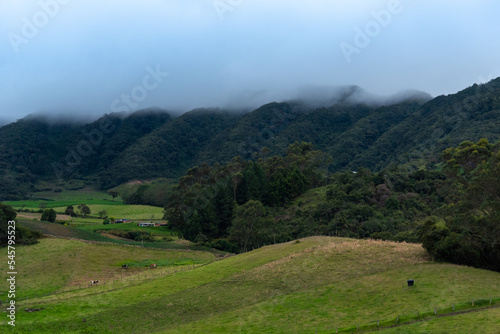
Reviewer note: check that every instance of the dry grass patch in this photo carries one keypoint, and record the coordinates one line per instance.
(336, 259)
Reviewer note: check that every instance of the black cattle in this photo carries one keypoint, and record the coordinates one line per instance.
(124, 266)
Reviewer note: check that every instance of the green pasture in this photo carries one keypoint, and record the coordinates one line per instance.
(315, 284)
(120, 211)
(55, 264)
(65, 198)
(484, 322)
(77, 196)
(129, 212)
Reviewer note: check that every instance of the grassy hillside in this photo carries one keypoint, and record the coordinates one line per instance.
(57, 264)
(317, 283)
(487, 322)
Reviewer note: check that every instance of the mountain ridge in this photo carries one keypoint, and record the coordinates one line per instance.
(152, 143)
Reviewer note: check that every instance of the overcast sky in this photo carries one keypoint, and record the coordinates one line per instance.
(93, 57)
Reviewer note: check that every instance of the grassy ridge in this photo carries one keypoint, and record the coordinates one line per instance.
(317, 284)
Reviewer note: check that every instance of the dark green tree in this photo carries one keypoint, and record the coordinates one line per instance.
(113, 193)
(70, 211)
(278, 188)
(471, 234)
(249, 226)
(84, 209)
(49, 215)
(102, 214)
(7, 214)
(253, 184)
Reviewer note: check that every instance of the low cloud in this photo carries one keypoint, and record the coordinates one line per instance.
(87, 54)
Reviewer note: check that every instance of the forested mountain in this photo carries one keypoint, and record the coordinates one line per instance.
(169, 150)
(445, 121)
(150, 143)
(37, 148)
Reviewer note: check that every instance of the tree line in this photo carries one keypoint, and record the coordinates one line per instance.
(453, 211)
(242, 205)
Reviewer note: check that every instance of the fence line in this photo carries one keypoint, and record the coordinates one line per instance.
(132, 278)
(474, 304)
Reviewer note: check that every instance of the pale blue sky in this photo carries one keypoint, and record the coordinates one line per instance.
(85, 57)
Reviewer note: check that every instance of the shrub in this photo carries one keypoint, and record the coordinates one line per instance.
(223, 245)
(386, 235)
(25, 236)
(49, 215)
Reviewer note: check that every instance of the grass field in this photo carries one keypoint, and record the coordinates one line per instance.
(65, 198)
(130, 212)
(316, 284)
(55, 264)
(484, 322)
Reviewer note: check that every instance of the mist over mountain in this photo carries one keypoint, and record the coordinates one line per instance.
(324, 96)
(309, 96)
(355, 128)
(236, 55)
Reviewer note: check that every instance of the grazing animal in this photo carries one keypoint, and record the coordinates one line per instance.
(125, 266)
(152, 266)
(94, 282)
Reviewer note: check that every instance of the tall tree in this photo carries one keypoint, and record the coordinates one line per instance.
(249, 226)
(49, 215)
(7, 213)
(472, 232)
(84, 209)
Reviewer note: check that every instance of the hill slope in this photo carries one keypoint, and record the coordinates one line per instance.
(317, 283)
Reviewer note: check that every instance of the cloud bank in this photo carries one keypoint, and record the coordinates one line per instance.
(81, 57)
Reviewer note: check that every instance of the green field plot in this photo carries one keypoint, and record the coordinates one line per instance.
(65, 198)
(129, 212)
